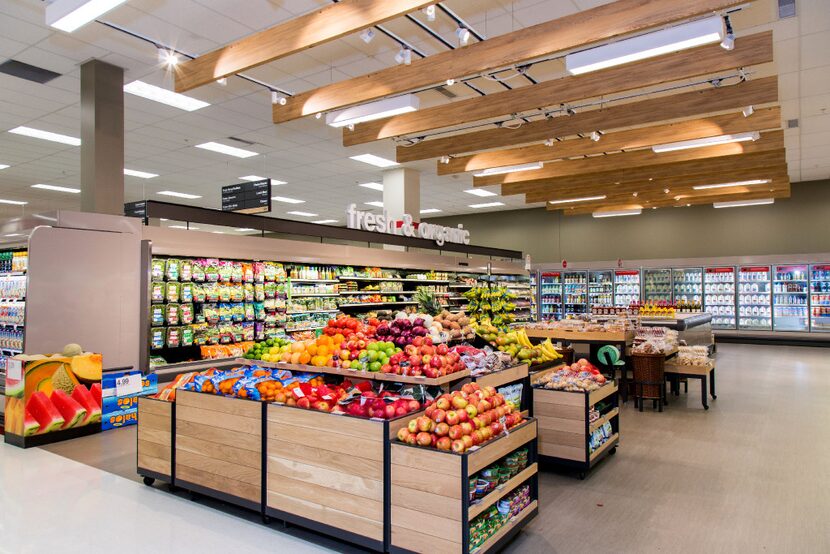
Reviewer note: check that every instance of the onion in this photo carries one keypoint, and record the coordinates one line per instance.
(419, 322)
(401, 315)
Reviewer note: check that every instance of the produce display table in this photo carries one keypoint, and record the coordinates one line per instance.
(508, 376)
(706, 374)
(582, 337)
(693, 328)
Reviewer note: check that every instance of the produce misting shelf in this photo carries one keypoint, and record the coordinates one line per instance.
(312, 280)
(315, 294)
(313, 312)
(402, 279)
(362, 304)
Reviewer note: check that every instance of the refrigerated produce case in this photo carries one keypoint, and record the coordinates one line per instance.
(754, 299)
(600, 289)
(626, 287)
(790, 299)
(550, 295)
(820, 297)
(657, 285)
(575, 292)
(719, 296)
(687, 283)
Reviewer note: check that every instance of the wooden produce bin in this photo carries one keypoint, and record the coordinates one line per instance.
(430, 505)
(509, 376)
(565, 429)
(155, 440)
(218, 447)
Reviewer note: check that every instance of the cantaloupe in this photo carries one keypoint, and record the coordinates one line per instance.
(87, 368)
(72, 349)
(61, 380)
(38, 370)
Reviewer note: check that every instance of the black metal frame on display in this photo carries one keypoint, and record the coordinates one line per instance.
(49, 438)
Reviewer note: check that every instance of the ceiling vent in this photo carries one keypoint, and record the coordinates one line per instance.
(446, 92)
(792, 124)
(242, 141)
(28, 72)
(786, 8)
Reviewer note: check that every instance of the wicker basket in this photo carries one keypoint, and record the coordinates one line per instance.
(649, 375)
(567, 354)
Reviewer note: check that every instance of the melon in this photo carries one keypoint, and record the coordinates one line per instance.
(30, 425)
(38, 370)
(87, 367)
(95, 391)
(44, 412)
(82, 396)
(61, 380)
(72, 412)
(72, 349)
(45, 386)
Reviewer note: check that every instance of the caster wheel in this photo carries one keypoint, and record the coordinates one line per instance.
(612, 451)
(582, 476)
(706, 407)
(172, 488)
(266, 520)
(714, 397)
(149, 481)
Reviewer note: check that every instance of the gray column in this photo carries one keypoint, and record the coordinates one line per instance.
(402, 193)
(102, 138)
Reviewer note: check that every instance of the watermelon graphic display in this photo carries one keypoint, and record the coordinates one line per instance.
(72, 412)
(30, 425)
(44, 412)
(82, 396)
(95, 391)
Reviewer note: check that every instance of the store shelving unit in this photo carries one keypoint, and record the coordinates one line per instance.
(719, 296)
(550, 295)
(657, 285)
(688, 284)
(820, 297)
(754, 298)
(13, 287)
(600, 288)
(626, 287)
(575, 292)
(790, 298)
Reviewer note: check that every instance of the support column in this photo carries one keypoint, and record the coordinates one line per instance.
(402, 193)
(102, 138)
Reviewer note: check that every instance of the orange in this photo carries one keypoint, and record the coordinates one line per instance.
(324, 351)
(295, 358)
(311, 349)
(297, 347)
(305, 357)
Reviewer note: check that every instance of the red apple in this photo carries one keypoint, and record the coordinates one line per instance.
(411, 439)
(471, 410)
(304, 403)
(412, 426)
(400, 411)
(477, 423)
(438, 415)
(425, 424)
(495, 427)
(462, 415)
(490, 391)
(435, 362)
(452, 417)
(415, 360)
(428, 350)
(413, 405)
(468, 388)
(442, 349)
(468, 441)
(459, 402)
(411, 350)
(418, 341)
(391, 411)
(455, 432)
(403, 433)
(485, 418)
(442, 429)
(458, 446)
(476, 436)
(428, 412)
(443, 443)
(423, 439)
(486, 432)
(466, 427)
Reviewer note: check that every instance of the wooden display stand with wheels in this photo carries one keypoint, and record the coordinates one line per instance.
(154, 450)
(508, 376)
(565, 427)
(430, 505)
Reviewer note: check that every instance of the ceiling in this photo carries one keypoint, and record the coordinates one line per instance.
(306, 153)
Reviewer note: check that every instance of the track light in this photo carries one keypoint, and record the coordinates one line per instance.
(168, 58)
(277, 98)
(429, 11)
(595, 136)
(404, 56)
(445, 159)
(367, 35)
(549, 142)
(463, 35)
(318, 115)
(666, 191)
(748, 111)
(222, 81)
(450, 82)
(728, 42)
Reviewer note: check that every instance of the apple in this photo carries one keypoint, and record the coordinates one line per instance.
(471, 410)
(468, 388)
(403, 433)
(443, 443)
(466, 427)
(485, 419)
(433, 439)
(430, 372)
(452, 418)
(455, 432)
(435, 362)
(442, 429)
(413, 405)
(428, 350)
(425, 424)
(418, 341)
(391, 411)
(438, 415)
(477, 423)
(400, 411)
(414, 360)
(468, 441)
(459, 402)
(458, 446)
(478, 436)
(386, 368)
(423, 439)
(491, 391)
(484, 405)
(411, 439)
(430, 409)
(442, 349)
(462, 415)
(322, 406)
(412, 426)
(495, 427)
(411, 350)
(304, 403)
(487, 432)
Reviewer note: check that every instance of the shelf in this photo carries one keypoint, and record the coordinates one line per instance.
(461, 285)
(12, 325)
(12, 300)
(612, 440)
(12, 273)
(790, 305)
(310, 295)
(506, 528)
(603, 420)
(312, 280)
(380, 292)
(402, 279)
(480, 506)
(305, 329)
(360, 305)
(313, 312)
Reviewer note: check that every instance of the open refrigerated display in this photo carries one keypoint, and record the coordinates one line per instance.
(13, 266)
(719, 296)
(688, 284)
(626, 287)
(550, 295)
(820, 297)
(754, 299)
(575, 292)
(790, 299)
(657, 285)
(600, 289)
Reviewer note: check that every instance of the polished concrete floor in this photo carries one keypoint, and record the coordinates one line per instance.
(750, 474)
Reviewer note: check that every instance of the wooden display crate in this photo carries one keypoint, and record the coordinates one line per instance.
(154, 448)
(218, 447)
(502, 377)
(564, 426)
(430, 506)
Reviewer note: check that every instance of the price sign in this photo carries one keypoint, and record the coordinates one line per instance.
(128, 385)
(247, 198)
(14, 369)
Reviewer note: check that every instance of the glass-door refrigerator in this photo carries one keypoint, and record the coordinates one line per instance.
(657, 285)
(820, 297)
(600, 289)
(688, 287)
(575, 292)
(790, 298)
(550, 295)
(754, 298)
(719, 296)
(626, 287)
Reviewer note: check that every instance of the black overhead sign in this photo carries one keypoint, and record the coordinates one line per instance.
(247, 198)
(136, 209)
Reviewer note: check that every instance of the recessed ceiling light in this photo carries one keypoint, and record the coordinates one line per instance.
(324, 221)
(191, 228)
(430, 211)
(68, 15)
(244, 230)
(46, 135)
(57, 188)
(15, 235)
(3, 166)
(228, 150)
(287, 200)
(387, 107)
(218, 232)
(140, 174)
(708, 141)
(487, 205)
(179, 194)
(303, 214)
(371, 159)
(375, 203)
(741, 203)
(480, 192)
(252, 178)
(373, 186)
(583, 199)
(618, 213)
(164, 96)
(735, 184)
(13, 202)
(509, 169)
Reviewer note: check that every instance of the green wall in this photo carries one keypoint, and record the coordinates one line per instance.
(797, 225)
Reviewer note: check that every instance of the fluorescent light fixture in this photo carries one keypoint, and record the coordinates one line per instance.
(373, 186)
(376, 161)
(463, 35)
(15, 235)
(218, 232)
(430, 12)
(708, 141)
(183, 227)
(46, 135)
(735, 184)
(68, 15)
(252, 178)
(404, 56)
(508, 169)
(164, 96)
(140, 174)
(487, 205)
(430, 211)
(680, 37)
(286, 200)
(324, 221)
(57, 188)
(376, 204)
(303, 214)
(13, 202)
(179, 194)
(367, 35)
(386, 107)
(480, 192)
(244, 230)
(3, 166)
(618, 213)
(584, 199)
(742, 203)
(228, 150)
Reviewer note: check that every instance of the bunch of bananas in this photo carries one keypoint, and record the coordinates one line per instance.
(492, 305)
(547, 353)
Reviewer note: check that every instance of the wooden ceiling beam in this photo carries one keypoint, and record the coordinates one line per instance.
(705, 60)
(695, 103)
(582, 28)
(632, 139)
(295, 35)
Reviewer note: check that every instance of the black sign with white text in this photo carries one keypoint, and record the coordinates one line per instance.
(248, 198)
